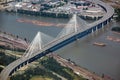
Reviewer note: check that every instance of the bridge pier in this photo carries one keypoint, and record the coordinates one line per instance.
(31, 60)
(105, 23)
(76, 37)
(18, 67)
(11, 72)
(24, 63)
(94, 28)
(21, 65)
(89, 30)
(83, 34)
(99, 26)
(37, 56)
(109, 19)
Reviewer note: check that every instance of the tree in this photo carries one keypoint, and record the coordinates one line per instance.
(25, 39)
(117, 10)
(66, 1)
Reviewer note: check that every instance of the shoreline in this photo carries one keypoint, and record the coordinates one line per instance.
(12, 42)
(77, 69)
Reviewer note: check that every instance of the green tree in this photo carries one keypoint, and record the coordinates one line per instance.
(66, 1)
(117, 11)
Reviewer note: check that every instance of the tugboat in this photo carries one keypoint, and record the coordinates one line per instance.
(99, 44)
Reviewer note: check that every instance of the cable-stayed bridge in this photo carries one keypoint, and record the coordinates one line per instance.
(44, 44)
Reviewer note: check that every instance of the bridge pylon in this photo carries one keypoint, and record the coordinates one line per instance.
(37, 44)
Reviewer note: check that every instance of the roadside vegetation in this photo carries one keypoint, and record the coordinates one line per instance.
(7, 56)
(1, 69)
(47, 69)
(5, 59)
(117, 28)
(35, 73)
(51, 64)
(117, 11)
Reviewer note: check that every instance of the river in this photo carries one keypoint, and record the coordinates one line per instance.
(101, 60)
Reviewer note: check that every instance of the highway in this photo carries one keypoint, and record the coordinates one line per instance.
(59, 42)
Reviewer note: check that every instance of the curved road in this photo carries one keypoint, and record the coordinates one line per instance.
(11, 68)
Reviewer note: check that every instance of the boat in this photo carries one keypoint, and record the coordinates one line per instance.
(99, 44)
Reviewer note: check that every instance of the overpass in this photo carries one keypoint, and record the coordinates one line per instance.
(36, 50)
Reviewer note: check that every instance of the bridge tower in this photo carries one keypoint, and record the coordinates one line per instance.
(37, 44)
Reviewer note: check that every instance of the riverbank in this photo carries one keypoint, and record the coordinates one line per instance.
(11, 48)
(46, 67)
(12, 42)
(114, 3)
(78, 70)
